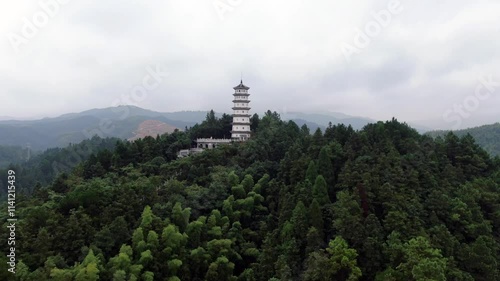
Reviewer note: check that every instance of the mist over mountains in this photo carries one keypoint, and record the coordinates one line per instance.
(487, 136)
(123, 121)
(132, 122)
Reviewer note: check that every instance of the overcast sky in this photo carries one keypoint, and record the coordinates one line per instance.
(428, 57)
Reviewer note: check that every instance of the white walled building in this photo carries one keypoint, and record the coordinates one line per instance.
(202, 144)
(241, 113)
(240, 127)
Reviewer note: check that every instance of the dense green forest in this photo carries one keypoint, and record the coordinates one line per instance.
(43, 167)
(487, 136)
(382, 203)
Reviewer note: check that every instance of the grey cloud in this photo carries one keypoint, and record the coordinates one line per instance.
(428, 58)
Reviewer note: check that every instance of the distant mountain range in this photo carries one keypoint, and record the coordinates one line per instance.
(125, 122)
(120, 122)
(321, 120)
(131, 122)
(487, 136)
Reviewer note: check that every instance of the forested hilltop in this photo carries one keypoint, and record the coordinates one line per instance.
(383, 203)
(487, 136)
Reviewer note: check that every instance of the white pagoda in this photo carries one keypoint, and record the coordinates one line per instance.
(241, 113)
(241, 124)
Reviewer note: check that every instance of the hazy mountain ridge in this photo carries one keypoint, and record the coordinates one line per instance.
(12, 154)
(120, 122)
(311, 125)
(323, 119)
(123, 121)
(44, 166)
(487, 136)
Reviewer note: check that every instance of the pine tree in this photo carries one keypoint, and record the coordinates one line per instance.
(316, 217)
(312, 172)
(325, 167)
(320, 191)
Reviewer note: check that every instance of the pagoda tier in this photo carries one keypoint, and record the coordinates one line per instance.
(241, 115)
(241, 132)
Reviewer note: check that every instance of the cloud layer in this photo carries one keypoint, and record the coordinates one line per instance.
(429, 58)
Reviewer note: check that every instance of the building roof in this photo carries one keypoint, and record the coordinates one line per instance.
(241, 86)
(211, 140)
